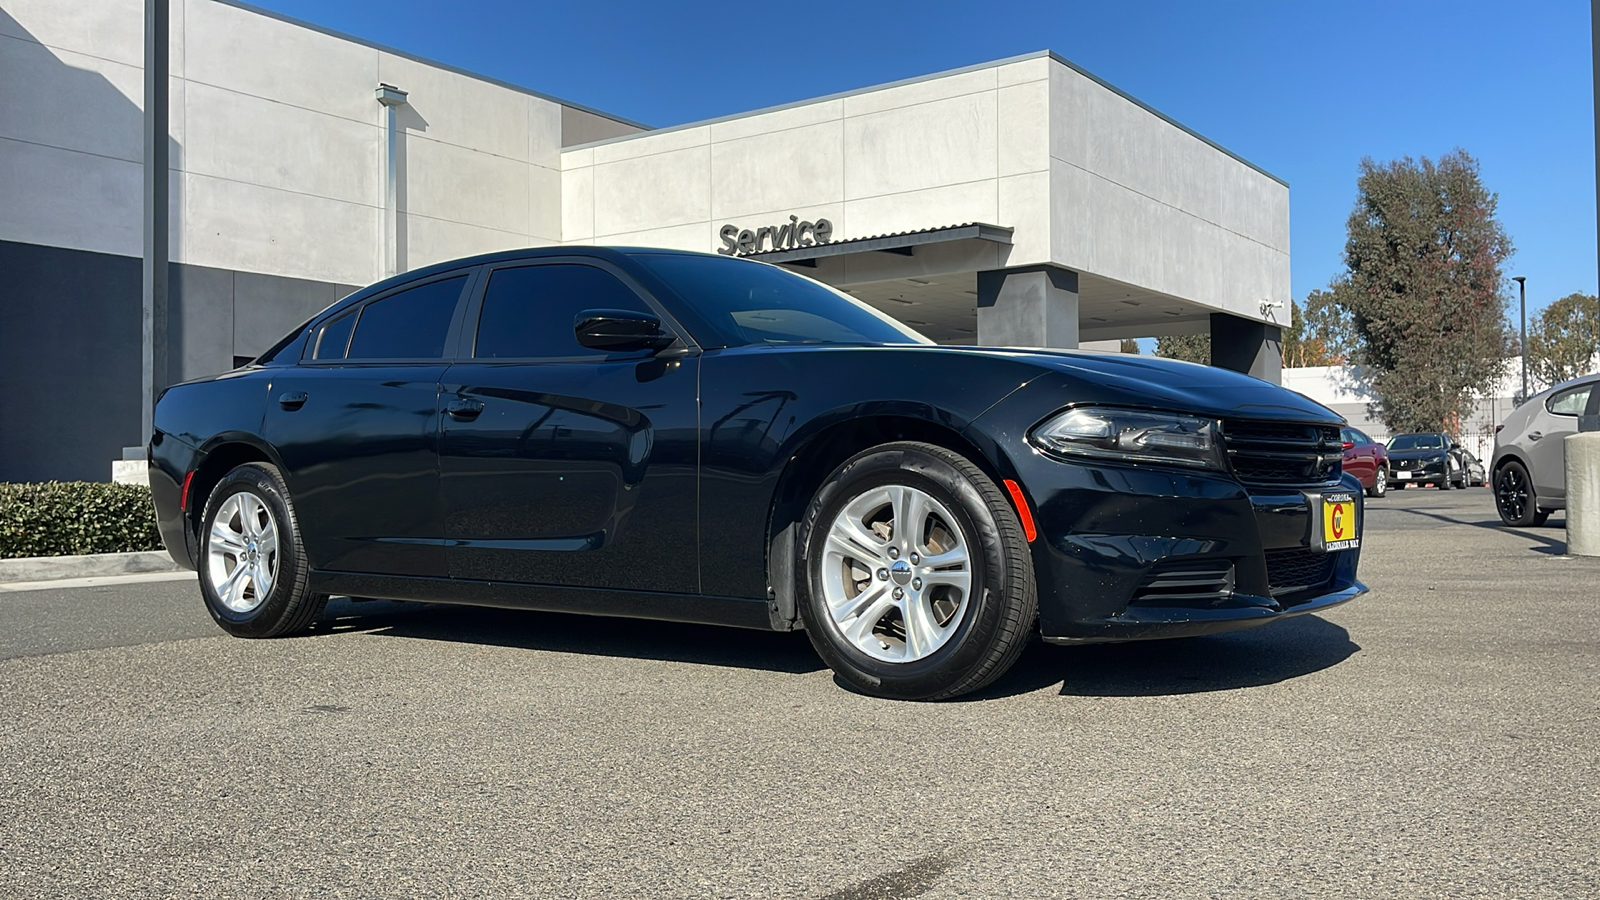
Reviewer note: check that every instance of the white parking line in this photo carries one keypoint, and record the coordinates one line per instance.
(61, 583)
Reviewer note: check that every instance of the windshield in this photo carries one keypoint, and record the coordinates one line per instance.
(1417, 442)
(755, 303)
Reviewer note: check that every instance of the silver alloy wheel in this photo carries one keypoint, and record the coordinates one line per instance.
(896, 574)
(1381, 480)
(242, 552)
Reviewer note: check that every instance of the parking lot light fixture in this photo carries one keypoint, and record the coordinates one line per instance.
(1522, 289)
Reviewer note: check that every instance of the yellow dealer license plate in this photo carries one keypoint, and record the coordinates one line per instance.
(1340, 529)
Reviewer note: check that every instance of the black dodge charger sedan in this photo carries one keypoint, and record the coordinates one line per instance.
(698, 438)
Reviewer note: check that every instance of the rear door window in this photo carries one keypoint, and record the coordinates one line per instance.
(1570, 402)
(411, 324)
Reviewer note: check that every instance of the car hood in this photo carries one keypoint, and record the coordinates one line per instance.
(1169, 384)
(1398, 455)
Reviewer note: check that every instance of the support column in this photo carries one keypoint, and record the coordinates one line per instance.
(390, 97)
(1035, 306)
(153, 358)
(1248, 346)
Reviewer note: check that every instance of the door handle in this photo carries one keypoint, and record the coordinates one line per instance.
(464, 410)
(1535, 435)
(292, 400)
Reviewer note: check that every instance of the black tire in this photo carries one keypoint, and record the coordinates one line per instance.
(1002, 602)
(1380, 483)
(1514, 497)
(1444, 483)
(289, 607)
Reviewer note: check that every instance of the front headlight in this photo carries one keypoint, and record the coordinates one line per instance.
(1130, 435)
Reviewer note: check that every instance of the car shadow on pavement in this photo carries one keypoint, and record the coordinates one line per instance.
(1555, 525)
(1242, 659)
(710, 645)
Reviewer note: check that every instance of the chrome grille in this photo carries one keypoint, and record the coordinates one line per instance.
(1283, 453)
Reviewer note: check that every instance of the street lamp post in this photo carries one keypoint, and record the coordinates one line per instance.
(1522, 288)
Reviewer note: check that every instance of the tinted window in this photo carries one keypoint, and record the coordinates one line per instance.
(753, 303)
(1572, 401)
(409, 325)
(529, 311)
(1359, 437)
(1417, 442)
(333, 337)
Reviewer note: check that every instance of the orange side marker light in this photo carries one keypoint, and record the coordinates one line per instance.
(1023, 512)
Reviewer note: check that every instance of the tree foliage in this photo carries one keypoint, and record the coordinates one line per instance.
(1321, 335)
(1130, 345)
(1424, 288)
(1195, 348)
(1565, 339)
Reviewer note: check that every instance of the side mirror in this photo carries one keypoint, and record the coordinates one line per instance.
(1454, 446)
(620, 330)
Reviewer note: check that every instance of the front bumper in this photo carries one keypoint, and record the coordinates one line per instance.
(1134, 553)
(1425, 473)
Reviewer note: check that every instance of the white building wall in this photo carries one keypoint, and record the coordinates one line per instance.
(1140, 200)
(894, 159)
(277, 144)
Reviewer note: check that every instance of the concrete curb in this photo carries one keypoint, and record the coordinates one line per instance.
(98, 565)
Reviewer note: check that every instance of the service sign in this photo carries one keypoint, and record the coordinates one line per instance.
(792, 235)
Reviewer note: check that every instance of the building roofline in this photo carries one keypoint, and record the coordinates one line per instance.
(1039, 54)
(382, 48)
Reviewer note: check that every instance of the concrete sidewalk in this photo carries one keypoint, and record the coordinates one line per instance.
(97, 565)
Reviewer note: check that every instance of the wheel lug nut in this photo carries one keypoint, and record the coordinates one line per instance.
(899, 594)
(915, 559)
(916, 584)
(894, 552)
(883, 574)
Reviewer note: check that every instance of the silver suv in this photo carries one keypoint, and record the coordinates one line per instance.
(1530, 454)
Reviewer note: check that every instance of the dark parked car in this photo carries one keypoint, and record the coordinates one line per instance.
(1429, 457)
(1367, 460)
(697, 438)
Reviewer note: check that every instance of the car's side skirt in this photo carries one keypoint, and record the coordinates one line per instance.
(735, 611)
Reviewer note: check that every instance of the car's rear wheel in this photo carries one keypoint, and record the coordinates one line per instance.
(916, 582)
(253, 569)
(1380, 483)
(1514, 497)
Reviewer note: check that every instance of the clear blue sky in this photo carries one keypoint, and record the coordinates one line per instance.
(1302, 89)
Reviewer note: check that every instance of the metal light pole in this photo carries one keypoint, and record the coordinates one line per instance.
(1522, 288)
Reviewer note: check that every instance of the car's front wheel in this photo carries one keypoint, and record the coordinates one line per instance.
(916, 582)
(1380, 483)
(1514, 497)
(253, 568)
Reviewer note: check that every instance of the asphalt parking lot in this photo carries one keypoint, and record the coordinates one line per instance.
(1438, 737)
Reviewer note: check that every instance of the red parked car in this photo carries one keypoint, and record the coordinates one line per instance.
(1367, 460)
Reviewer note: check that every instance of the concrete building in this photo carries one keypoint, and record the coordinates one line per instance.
(1022, 202)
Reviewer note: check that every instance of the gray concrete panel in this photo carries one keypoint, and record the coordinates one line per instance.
(265, 307)
(69, 386)
(1031, 307)
(200, 322)
(581, 127)
(1244, 345)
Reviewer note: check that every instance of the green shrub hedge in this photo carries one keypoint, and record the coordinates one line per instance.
(66, 518)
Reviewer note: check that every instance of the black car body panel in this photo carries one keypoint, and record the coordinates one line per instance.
(663, 484)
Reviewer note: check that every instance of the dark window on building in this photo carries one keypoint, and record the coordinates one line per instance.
(529, 311)
(412, 324)
(333, 337)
